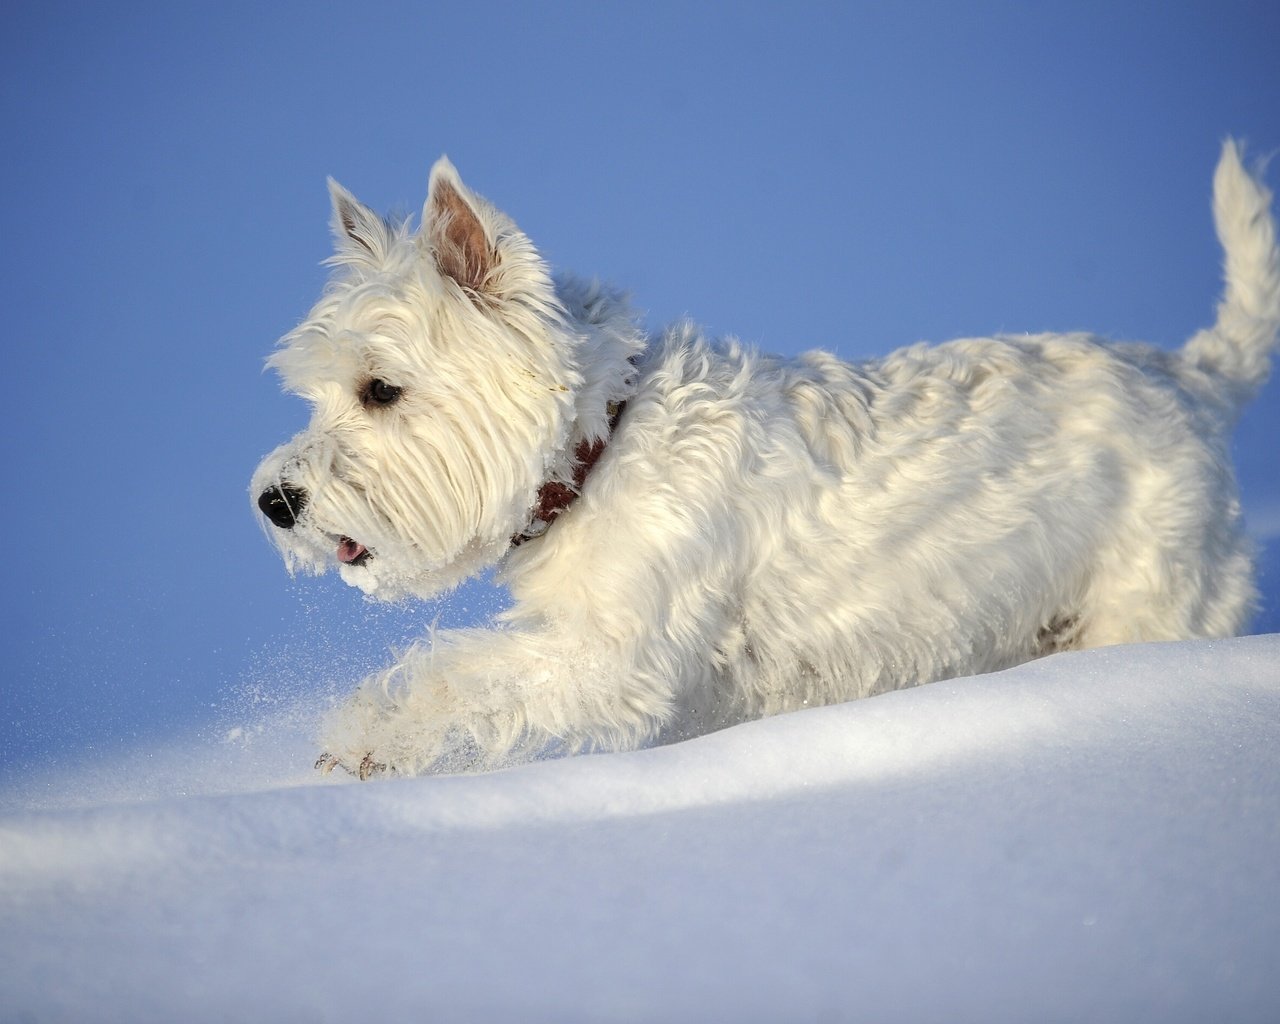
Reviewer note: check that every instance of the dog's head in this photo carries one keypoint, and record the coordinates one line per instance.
(442, 371)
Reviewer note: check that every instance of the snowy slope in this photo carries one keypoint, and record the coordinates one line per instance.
(1093, 836)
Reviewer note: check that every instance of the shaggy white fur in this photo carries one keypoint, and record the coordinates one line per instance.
(759, 534)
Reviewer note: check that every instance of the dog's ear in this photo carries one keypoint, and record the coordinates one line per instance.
(455, 229)
(358, 232)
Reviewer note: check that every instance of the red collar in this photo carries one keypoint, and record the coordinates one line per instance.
(555, 496)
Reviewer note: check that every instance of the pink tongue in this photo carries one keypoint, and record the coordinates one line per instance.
(349, 550)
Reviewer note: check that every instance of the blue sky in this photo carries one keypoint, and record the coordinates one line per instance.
(851, 176)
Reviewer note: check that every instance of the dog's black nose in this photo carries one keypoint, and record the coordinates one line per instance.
(282, 505)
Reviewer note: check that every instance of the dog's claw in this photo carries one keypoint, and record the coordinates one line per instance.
(369, 767)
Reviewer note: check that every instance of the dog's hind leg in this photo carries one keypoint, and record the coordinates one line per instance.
(1200, 586)
(1061, 633)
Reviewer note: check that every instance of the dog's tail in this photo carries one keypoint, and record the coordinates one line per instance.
(1237, 349)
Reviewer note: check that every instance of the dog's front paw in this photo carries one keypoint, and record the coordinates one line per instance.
(366, 770)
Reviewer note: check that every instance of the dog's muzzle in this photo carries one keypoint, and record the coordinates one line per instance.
(282, 505)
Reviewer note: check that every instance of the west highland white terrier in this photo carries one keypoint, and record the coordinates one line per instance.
(695, 533)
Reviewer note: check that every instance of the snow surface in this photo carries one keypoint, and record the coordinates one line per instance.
(1092, 837)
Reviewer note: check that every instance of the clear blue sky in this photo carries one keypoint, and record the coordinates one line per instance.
(853, 176)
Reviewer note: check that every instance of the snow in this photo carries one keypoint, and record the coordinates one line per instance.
(1091, 836)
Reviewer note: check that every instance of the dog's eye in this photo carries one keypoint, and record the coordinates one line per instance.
(379, 392)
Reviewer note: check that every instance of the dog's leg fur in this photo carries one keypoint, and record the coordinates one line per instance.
(470, 698)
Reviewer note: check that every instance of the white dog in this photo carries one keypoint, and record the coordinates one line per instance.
(695, 533)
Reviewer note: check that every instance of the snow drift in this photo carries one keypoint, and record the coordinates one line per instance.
(1092, 836)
